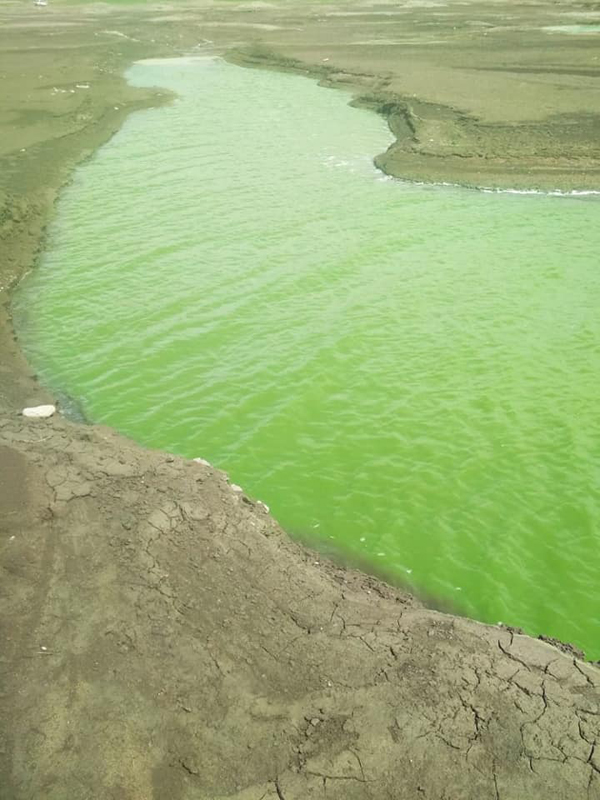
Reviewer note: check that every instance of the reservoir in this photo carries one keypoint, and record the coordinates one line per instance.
(407, 375)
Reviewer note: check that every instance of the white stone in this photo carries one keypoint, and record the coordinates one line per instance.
(39, 411)
(236, 488)
(202, 461)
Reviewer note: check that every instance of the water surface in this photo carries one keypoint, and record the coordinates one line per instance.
(586, 27)
(407, 373)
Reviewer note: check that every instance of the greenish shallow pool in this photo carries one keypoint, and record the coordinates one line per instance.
(573, 29)
(406, 374)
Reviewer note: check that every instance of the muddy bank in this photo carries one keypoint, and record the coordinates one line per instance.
(161, 635)
(436, 143)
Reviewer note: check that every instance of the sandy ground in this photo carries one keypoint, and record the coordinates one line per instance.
(162, 637)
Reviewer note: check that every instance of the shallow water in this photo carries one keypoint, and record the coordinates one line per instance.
(407, 373)
(574, 29)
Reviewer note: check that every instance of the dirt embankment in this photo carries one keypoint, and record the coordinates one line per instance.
(486, 95)
(437, 143)
(162, 637)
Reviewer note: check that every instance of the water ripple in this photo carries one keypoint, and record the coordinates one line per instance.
(405, 372)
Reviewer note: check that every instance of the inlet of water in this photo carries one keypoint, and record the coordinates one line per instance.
(407, 373)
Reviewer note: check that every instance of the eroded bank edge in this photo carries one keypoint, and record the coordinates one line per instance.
(442, 145)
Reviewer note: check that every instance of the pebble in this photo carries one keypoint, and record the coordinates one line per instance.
(39, 412)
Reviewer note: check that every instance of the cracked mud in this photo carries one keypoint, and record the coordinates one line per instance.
(176, 641)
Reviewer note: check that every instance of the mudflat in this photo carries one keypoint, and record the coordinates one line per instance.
(162, 636)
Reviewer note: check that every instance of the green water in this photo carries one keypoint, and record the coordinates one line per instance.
(574, 29)
(408, 374)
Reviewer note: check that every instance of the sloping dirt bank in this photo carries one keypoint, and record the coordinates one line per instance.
(164, 638)
(478, 94)
(437, 143)
(161, 636)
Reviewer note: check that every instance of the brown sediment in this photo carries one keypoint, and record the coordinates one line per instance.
(162, 636)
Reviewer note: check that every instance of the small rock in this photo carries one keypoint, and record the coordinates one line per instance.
(236, 488)
(39, 412)
(202, 461)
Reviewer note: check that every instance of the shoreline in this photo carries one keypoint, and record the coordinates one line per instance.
(121, 618)
(154, 97)
(158, 96)
(406, 159)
